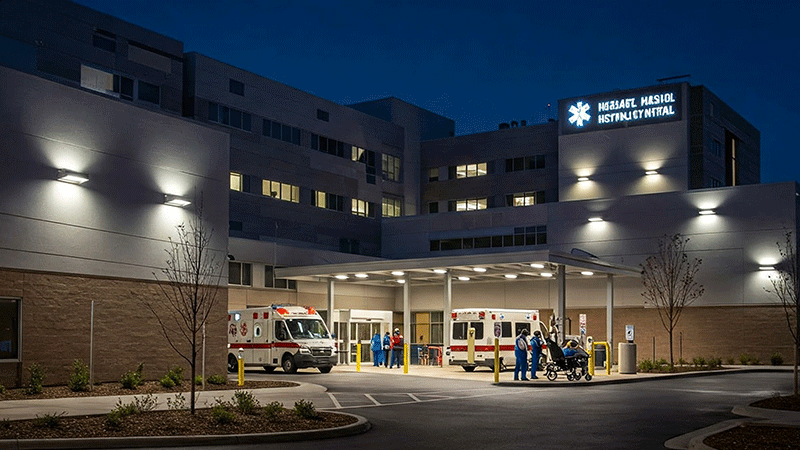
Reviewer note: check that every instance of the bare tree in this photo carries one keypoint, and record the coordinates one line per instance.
(786, 286)
(669, 282)
(193, 272)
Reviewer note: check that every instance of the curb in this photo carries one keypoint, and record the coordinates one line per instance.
(360, 426)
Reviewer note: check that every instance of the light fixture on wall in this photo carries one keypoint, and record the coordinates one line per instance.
(176, 200)
(587, 273)
(401, 281)
(439, 271)
(479, 269)
(510, 276)
(595, 219)
(651, 172)
(69, 176)
(583, 178)
(340, 277)
(766, 268)
(707, 212)
(463, 278)
(547, 274)
(537, 266)
(362, 275)
(398, 273)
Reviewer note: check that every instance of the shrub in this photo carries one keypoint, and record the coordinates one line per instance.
(714, 363)
(198, 380)
(646, 365)
(49, 420)
(305, 409)
(132, 379)
(746, 359)
(272, 410)
(729, 361)
(167, 382)
(114, 419)
(5, 423)
(178, 403)
(217, 379)
(2, 389)
(176, 375)
(79, 378)
(221, 412)
(698, 361)
(138, 405)
(37, 378)
(682, 362)
(661, 363)
(776, 359)
(245, 402)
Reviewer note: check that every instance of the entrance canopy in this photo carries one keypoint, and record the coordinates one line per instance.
(530, 265)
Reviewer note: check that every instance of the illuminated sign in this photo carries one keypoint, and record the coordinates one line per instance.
(621, 109)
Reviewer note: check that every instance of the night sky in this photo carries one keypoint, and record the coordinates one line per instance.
(483, 63)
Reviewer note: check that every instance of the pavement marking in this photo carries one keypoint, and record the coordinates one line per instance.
(335, 402)
(372, 399)
(414, 397)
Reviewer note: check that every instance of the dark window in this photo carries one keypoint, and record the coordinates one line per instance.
(450, 244)
(104, 43)
(296, 136)
(519, 164)
(451, 173)
(506, 327)
(149, 92)
(467, 243)
(460, 330)
(433, 207)
(314, 142)
(508, 240)
(224, 115)
(236, 87)
(9, 328)
(323, 115)
(276, 130)
(266, 128)
(234, 225)
(124, 86)
(519, 326)
(435, 245)
(433, 174)
(478, 329)
(236, 118)
(246, 121)
(497, 241)
(239, 273)
(213, 112)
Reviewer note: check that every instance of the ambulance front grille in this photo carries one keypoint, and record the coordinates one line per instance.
(325, 351)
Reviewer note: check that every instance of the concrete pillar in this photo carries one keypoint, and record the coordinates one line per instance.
(448, 307)
(610, 315)
(407, 310)
(330, 306)
(561, 307)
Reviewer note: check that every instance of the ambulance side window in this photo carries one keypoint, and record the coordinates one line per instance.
(478, 329)
(519, 326)
(257, 330)
(506, 326)
(280, 331)
(460, 330)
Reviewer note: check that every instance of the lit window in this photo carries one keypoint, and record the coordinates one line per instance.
(469, 170)
(283, 191)
(433, 174)
(236, 181)
(320, 199)
(362, 208)
(525, 198)
(468, 204)
(390, 207)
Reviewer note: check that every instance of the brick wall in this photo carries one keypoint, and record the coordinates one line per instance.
(56, 312)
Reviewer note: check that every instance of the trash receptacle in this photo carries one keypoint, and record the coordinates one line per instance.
(599, 356)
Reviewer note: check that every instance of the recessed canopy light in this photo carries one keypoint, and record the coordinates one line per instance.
(595, 219)
(766, 268)
(398, 273)
(651, 172)
(510, 276)
(463, 278)
(69, 176)
(340, 277)
(547, 274)
(583, 178)
(401, 281)
(439, 271)
(176, 200)
(479, 269)
(587, 273)
(707, 212)
(537, 266)
(362, 275)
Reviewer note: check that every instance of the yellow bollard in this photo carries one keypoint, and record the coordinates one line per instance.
(471, 346)
(405, 357)
(240, 361)
(496, 360)
(358, 357)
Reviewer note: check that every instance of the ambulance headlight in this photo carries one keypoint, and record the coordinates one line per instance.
(304, 349)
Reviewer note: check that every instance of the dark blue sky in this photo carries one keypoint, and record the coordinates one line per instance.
(482, 63)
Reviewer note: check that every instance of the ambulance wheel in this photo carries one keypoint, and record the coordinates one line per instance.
(570, 377)
(233, 364)
(325, 369)
(269, 369)
(288, 364)
(552, 376)
(588, 377)
(468, 368)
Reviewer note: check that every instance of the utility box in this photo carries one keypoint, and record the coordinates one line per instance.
(599, 355)
(627, 357)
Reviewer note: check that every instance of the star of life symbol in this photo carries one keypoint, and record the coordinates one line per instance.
(579, 115)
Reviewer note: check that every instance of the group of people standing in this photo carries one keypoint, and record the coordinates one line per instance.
(521, 353)
(382, 348)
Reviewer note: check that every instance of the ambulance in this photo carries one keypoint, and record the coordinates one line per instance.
(287, 336)
(486, 322)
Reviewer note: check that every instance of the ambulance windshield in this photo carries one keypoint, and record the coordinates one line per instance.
(307, 329)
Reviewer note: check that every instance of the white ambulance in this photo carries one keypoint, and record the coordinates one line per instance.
(507, 323)
(286, 336)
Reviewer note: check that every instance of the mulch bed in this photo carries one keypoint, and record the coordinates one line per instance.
(755, 436)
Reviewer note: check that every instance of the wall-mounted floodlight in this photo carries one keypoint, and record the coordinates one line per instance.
(595, 219)
(651, 172)
(707, 212)
(340, 277)
(176, 200)
(583, 178)
(766, 268)
(69, 176)
(439, 271)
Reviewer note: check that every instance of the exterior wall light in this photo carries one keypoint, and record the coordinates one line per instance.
(176, 200)
(587, 273)
(401, 281)
(479, 269)
(510, 276)
(651, 172)
(398, 273)
(340, 277)
(595, 219)
(463, 278)
(546, 274)
(766, 268)
(69, 176)
(707, 212)
(362, 275)
(439, 271)
(537, 266)
(583, 178)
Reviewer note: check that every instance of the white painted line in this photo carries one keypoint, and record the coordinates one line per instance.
(372, 399)
(414, 397)
(335, 402)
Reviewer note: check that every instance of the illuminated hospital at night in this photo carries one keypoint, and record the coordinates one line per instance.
(374, 210)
